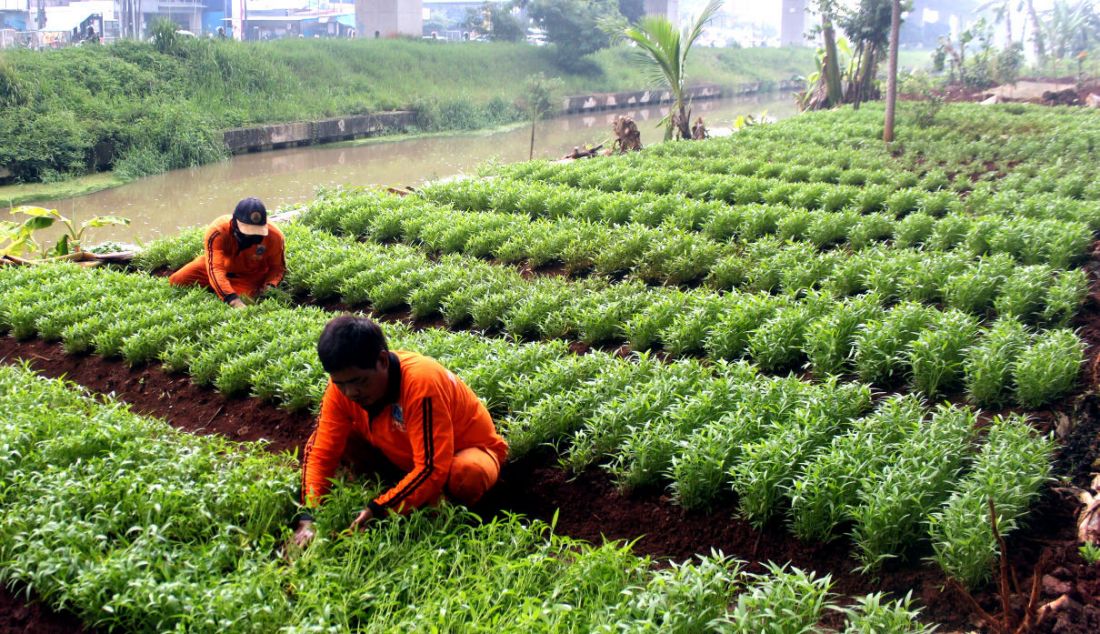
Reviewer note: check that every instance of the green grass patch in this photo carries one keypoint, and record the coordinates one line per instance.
(25, 193)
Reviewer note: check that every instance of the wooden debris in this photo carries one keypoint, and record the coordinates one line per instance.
(627, 136)
(699, 130)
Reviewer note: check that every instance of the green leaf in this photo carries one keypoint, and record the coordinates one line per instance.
(62, 246)
(36, 212)
(103, 221)
(37, 222)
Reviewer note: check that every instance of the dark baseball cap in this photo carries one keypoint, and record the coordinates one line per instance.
(251, 217)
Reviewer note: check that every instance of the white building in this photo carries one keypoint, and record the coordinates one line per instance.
(389, 18)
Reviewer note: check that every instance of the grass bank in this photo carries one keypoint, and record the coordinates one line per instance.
(25, 193)
(135, 110)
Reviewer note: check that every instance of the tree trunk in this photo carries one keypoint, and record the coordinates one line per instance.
(866, 75)
(857, 80)
(1040, 48)
(684, 123)
(1008, 25)
(831, 67)
(892, 73)
(531, 154)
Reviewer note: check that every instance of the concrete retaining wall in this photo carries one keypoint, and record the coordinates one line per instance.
(281, 135)
(614, 100)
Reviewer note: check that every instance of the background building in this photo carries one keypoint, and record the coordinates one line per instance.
(389, 18)
(793, 24)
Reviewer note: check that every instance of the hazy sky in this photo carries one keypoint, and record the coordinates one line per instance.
(769, 10)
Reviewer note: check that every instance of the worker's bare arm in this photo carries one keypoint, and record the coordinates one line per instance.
(361, 520)
(303, 533)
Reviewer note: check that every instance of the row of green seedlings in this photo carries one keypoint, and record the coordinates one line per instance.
(901, 479)
(554, 196)
(1029, 146)
(938, 352)
(707, 429)
(137, 527)
(788, 157)
(801, 166)
(932, 254)
(814, 165)
(1027, 149)
(747, 190)
(1029, 240)
(1037, 294)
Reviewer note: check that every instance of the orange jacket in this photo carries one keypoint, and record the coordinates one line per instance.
(431, 415)
(261, 265)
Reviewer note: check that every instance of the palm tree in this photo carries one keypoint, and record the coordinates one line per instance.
(665, 52)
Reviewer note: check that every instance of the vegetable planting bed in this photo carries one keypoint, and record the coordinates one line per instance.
(591, 507)
(794, 345)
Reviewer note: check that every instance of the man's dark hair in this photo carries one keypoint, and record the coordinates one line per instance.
(348, 341)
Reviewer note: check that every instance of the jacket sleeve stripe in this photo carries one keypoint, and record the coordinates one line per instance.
(210, 266)
(429, 458)
(305, 467)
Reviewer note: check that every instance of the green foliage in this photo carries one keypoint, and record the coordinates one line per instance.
(1008, 475)
(989, 363)
(895, 501)
(573, 27)
(164, 36)
(665, 52)
(1048, 368)
(790, 601)
(873, 614)
(1090, 552)
(194, 521)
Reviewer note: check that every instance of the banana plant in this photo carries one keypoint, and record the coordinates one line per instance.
(17, 238)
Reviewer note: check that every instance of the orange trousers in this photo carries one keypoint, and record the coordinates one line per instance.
(194, 272)
(473, 471)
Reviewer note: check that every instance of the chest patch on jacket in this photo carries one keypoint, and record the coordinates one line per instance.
(398, 418)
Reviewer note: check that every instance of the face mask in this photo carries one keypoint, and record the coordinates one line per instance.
(243, 241)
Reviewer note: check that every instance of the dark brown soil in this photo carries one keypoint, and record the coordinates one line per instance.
(19, 616)
(172, 397)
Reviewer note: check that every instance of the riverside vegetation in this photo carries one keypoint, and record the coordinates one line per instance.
(134, 109)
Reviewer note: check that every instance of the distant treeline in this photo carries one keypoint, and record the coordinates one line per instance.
(132, 108)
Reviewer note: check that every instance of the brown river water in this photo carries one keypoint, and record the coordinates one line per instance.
(163, 204)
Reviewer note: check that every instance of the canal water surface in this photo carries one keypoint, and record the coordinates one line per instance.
(162, 204)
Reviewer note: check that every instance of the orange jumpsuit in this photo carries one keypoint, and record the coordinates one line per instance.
(430, 425)
(233, 272)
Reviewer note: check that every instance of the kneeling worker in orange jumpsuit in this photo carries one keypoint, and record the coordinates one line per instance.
(242, 255)
(424, 419)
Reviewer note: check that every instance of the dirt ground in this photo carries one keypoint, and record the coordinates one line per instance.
(1042, 91)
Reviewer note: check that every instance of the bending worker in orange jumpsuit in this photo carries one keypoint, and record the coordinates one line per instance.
(242, 255)
(424, 419)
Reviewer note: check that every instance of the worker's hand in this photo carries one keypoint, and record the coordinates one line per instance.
(237, 303)
(361, 520)
(303, 533)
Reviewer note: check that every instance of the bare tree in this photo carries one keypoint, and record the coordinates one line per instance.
(892, 74)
